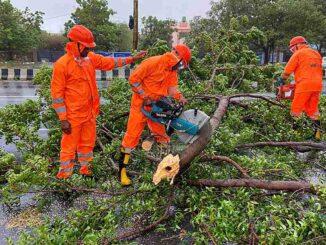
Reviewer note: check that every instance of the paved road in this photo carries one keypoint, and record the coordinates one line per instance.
(15, 92)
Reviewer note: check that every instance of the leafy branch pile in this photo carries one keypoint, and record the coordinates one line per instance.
(191, 210)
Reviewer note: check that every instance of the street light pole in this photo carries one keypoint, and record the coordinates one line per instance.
(135, 33)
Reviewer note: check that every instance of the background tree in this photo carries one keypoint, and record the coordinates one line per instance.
(124, 35)
(154, 29)
(52, 41)
(19, 30)
(95, 15)
(280, 20)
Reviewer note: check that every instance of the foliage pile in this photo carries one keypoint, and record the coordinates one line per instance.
(200, 215)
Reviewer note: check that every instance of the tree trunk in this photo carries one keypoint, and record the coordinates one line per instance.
(266, 55)
(193, 150)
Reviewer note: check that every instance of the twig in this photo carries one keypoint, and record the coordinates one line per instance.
(316, 239)
(253, 237)
(82, 190)
(210, 81)
(124, 114)
(233, 163)
(137, 232)
(108, 133)
(205, 228)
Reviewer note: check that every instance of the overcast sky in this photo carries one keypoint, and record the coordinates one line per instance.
(57, 12)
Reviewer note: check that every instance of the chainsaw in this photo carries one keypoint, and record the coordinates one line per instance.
(285, 92)
(169, 112)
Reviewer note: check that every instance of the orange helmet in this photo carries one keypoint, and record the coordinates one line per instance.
(83, 35)
(185, 52)
(297, 40)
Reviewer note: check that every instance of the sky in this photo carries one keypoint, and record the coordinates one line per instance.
(57, 12)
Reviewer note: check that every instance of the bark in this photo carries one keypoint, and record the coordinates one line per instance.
(255, 183)
(193, 150)
(266, 55)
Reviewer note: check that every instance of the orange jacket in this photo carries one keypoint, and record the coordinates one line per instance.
(73, 87)
(153, 77)
(306, 64)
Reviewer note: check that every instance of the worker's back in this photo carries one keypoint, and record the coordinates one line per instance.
(306, 64)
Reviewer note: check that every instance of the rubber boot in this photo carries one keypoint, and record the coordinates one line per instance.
(66, 171)
(63, 175)
(124, 159)
(85, 170)
(317, 127)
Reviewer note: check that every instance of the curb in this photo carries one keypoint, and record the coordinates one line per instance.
(28, 74)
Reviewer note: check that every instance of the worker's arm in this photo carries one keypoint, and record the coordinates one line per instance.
(290, 67)
(58, 84)
(173, 90)
(137, 77)
(109, 63)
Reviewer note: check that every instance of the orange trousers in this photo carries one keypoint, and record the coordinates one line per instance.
(136, 124)
(81, 140)
(307, 102)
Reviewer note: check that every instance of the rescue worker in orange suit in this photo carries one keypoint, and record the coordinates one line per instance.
(155, 77)
(306, 64)
(76, 100)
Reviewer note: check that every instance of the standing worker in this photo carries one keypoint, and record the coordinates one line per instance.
(76, 100)
(153, 78)
(306, 64)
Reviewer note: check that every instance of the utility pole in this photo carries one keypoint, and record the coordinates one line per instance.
(135, 33)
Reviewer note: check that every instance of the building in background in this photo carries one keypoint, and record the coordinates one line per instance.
(181, 30)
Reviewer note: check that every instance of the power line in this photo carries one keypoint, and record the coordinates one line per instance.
(58, 16)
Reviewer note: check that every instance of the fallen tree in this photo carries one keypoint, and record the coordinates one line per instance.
(224, 192)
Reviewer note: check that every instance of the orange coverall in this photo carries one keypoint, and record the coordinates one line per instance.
(75, 98)
(306, 64)
(153, 78)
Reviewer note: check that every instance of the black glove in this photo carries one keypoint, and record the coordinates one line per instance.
(66, 126)
(147, 101)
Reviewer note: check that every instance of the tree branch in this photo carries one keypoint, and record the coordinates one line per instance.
(290, 144)
(137, 232)
(255, 183)
(257, 97)
(242, 171)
